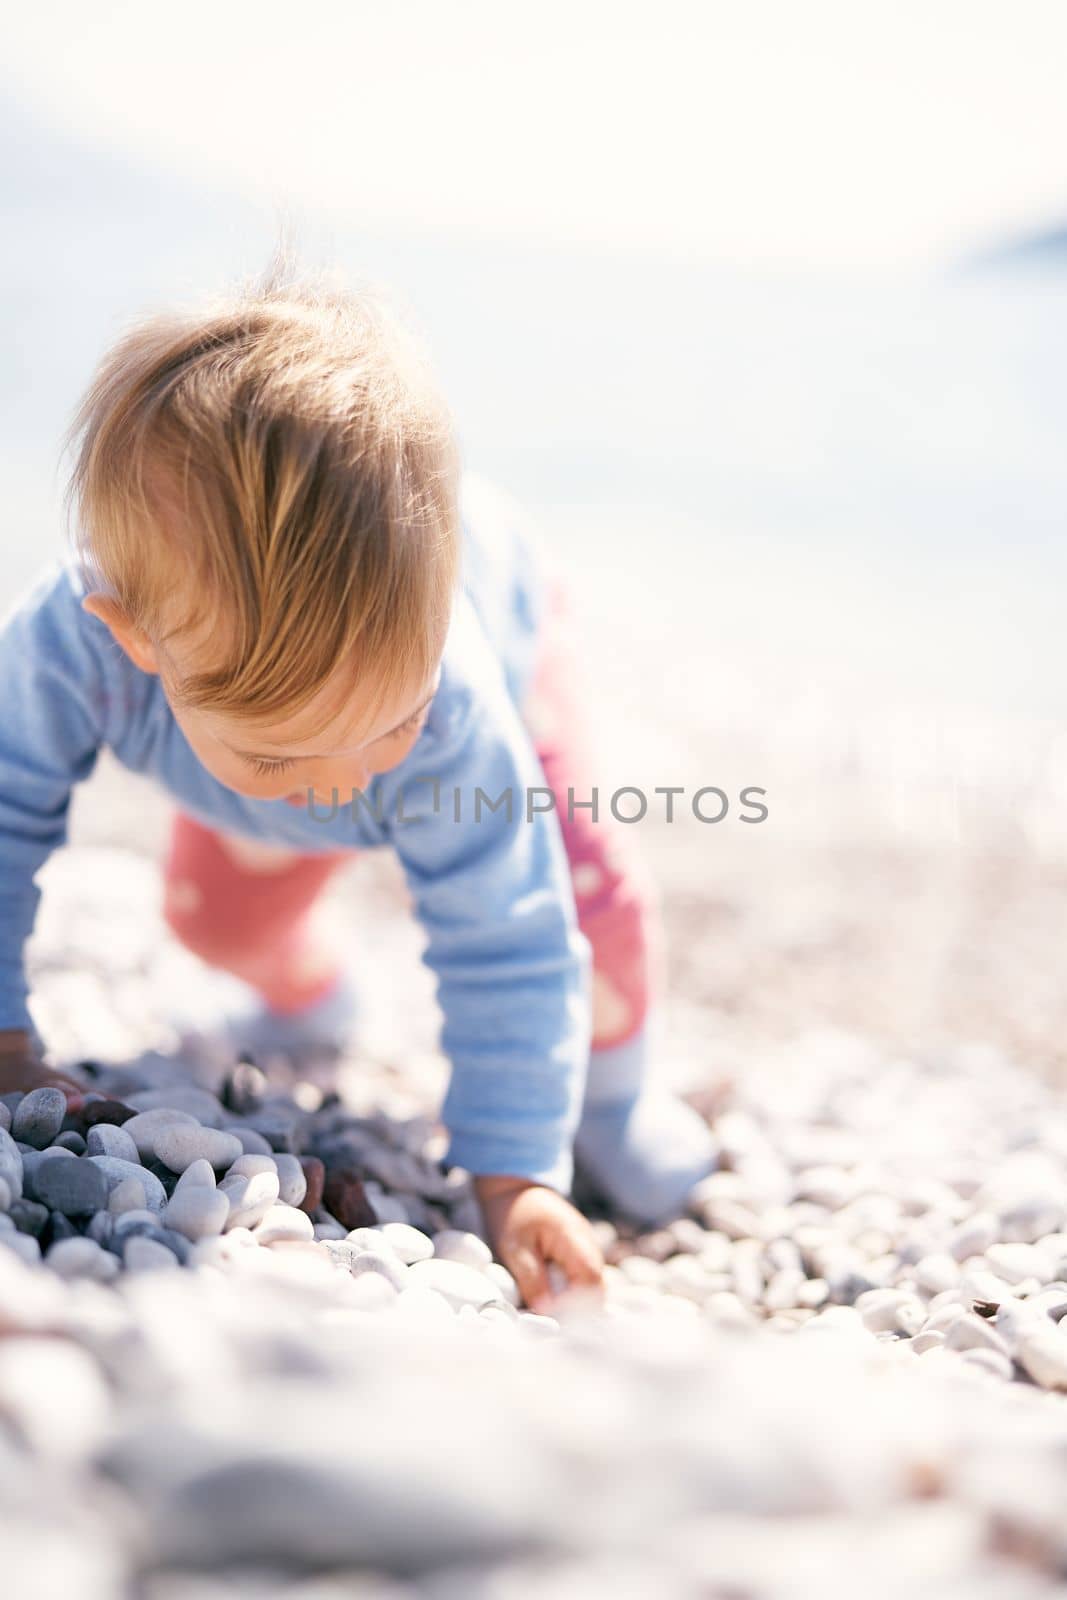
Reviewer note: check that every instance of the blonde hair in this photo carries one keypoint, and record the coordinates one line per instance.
(290, 448)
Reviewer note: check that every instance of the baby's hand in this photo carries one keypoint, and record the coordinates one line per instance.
(21, 1069)
(531, 1229)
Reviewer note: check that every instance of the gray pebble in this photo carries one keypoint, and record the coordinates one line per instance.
(71, 1141)
(147, 1255)
(5, 1117)
(101, 1228)
(252, 1143)
(197, 1104)
(29, 1216)
(39, 1117)
(24, 1245)
(76, 1188)
(292, 1184)
(129, 1221)
(80, 1258)
(105, 1139)
(117, 1171)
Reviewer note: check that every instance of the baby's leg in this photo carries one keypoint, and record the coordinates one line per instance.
(255, 911)
(640, 1144)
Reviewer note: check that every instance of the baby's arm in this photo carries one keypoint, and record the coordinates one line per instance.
(495, 898)
(51, 712)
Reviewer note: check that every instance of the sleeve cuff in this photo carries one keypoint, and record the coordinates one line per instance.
(484, 1156)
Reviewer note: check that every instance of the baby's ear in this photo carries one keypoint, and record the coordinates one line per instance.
(136, 644)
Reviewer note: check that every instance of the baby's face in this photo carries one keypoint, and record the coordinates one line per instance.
(335, 741)
(282, 761)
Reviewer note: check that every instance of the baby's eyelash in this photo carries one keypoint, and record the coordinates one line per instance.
(265, 768)
(413, 722)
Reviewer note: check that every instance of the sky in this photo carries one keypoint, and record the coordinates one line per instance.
(771, 135)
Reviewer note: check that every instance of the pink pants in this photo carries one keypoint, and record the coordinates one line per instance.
(250, 909)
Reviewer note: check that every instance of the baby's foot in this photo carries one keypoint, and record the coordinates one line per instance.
(325, 1026)
(242, 1022)
(645, 1154)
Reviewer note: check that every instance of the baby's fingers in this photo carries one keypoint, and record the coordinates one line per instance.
(527, 1267)
(577, 1255)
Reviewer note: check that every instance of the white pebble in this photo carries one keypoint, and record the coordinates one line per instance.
(183, 1143)
(200, 1175)
(143, 1128)
(460, 1284)
(129, 1195)
(249, 1198)
(283, 1223)
(197, 1212)
(409, 1244)
(466, 1248)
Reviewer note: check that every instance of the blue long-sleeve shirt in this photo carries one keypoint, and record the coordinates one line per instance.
(493, 894)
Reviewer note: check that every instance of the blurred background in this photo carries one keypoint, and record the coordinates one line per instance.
(760, 312)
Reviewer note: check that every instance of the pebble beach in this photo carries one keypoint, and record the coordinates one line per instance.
(254, 1343)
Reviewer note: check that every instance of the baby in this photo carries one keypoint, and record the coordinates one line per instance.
(288, 603)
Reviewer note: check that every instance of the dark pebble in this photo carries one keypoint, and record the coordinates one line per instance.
(847, 1290)
(113, 1111)
(176, 1243)
(70, 1141)
(101, 1228)
(315, 1173)
(167, 1178)
(277, 1132)
(59, 1227)
(39, 1116)
(28, 1216)
(346, 1199)
(244, 1088)
(76, 1188)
